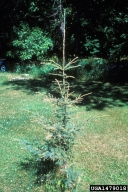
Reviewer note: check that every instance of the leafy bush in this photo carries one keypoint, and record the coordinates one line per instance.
(92, 46)
(30, 43)
(36, 70)
(42, 71)
(92, 68)
(21, 67)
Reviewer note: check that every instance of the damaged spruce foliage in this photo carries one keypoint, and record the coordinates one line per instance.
(54, 154)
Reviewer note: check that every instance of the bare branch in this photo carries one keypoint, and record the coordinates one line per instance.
(55, 64)
(70, 93)
(52, 15)
(70, 77)
(72, 67)
(58, 84)
(73, 61)
(56, 74)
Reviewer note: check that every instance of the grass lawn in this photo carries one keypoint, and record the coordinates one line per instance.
(100, 152)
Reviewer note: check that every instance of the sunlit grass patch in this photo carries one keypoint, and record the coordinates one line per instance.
(100, 151)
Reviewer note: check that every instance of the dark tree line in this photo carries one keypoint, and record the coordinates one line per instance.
(93, 28)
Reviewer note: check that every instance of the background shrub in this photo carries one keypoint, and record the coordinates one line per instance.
(30, 43)
(92, 68)
(42, 71)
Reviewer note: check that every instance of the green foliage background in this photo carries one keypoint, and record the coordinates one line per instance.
(95, 28)
(30, 43)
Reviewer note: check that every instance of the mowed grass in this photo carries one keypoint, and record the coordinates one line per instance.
(100, 152)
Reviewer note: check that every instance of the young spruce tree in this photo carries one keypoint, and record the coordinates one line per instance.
(55, 154)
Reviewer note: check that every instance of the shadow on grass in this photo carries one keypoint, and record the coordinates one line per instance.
(29, 86)
(39, 169)
(102, 94)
